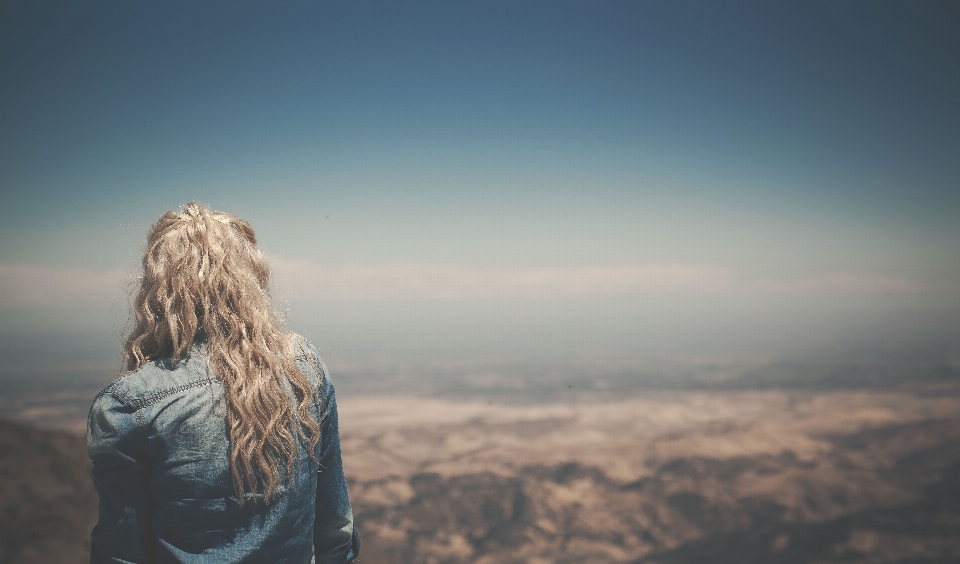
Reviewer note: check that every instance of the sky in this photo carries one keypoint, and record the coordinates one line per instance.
(460, 184)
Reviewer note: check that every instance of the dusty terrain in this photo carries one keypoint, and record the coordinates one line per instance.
(749, 476)
(855, 475)
(47, 501)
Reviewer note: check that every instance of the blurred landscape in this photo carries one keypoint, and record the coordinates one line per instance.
(666, 281)
(782, 463)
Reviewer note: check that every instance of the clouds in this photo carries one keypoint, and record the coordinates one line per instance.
(304, 281)
(456, 313)
(23, 285)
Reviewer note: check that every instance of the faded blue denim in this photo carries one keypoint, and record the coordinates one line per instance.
(160, 449)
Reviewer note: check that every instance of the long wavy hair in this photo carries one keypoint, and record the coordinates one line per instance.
(204, 280)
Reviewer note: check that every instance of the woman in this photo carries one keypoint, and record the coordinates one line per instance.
(220, 442)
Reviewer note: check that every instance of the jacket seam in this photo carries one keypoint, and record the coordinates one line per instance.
(141, 403)
(131, 402)
(108, 389)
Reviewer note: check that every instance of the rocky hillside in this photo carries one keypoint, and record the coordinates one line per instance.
(764, 509)
(743, 476)
(48, 503)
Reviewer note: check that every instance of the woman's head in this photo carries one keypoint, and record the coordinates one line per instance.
(203, 276)
(205, 280)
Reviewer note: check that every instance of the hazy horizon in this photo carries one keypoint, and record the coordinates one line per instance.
(616, 187)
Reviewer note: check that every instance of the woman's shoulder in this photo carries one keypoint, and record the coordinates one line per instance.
(311, 364)
(121, 409)
(157, 380)
(304, 351)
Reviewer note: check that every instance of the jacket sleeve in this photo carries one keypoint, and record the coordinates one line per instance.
(335, 539)
(120, 473)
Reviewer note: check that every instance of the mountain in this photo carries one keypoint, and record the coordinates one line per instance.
(745, 476)
(48, 504)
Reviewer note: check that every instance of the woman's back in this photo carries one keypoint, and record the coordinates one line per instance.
(159, 442)
(220, 442)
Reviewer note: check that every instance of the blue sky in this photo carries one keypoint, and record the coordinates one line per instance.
(454, 180)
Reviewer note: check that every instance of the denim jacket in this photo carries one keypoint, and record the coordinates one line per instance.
(159, 443)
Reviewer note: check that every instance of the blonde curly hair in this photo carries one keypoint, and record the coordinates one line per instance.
(204, 280)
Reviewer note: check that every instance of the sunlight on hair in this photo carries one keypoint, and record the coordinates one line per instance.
(204, 284)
